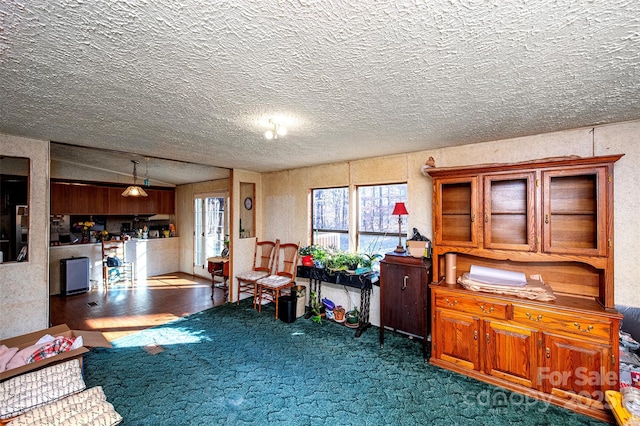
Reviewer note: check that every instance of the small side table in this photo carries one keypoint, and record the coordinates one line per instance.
(219, 267)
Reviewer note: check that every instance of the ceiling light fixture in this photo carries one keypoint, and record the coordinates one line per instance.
(134, 190)
(275, 131)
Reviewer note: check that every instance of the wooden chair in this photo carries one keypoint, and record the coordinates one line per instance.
(115, 268)
(263, 258)
(286, 264)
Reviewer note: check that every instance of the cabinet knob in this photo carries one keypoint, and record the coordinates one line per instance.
(486, 218)
(548, 352)
(584, 330)
(546, 218)
(475, 334)
(488, 338)
(488, 311)
(404, 282)
(532, 318)
(454, 303)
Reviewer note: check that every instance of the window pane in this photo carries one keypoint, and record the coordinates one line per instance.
(330, 217)
(377, 228)
(377, 244)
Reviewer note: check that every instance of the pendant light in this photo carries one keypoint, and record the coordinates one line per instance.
(134, 190)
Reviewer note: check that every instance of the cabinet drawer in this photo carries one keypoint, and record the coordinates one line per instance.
(576, 324)
(471, 305)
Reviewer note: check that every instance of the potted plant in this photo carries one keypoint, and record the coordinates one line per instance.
(309, 255)
(343, 261)
(353, 316)
(306, 255)
(320, 256)
(316, 307)
(338, 313)
(371, 261)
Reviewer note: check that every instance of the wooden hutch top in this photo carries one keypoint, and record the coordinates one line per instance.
(552, 217)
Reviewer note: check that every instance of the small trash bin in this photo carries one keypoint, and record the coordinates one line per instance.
(287, 308)
(300, 292)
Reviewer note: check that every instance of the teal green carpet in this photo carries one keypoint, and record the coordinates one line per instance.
(233, 365)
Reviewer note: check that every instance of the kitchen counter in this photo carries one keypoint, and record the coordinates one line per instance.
(151, 257)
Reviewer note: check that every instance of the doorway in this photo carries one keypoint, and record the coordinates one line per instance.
(211, 229)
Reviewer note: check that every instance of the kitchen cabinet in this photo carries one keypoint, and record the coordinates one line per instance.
(92, 199)
(552, 218)
(157, 202)
(404, 282)
(77, 198)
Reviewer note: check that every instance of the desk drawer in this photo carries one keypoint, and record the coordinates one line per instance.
(471, 305)
(579, 324)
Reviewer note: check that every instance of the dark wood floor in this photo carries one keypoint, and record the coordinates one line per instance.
(123, 310)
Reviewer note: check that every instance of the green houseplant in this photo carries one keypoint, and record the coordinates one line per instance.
(353, 316)
(306, 255)
(342, 261)
(316, 305)
(313, 255)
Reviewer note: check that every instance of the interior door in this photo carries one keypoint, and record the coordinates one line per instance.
(210, 224)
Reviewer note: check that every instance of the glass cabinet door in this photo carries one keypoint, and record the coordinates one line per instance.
(455, 215)
(509, 206)
(574, 215)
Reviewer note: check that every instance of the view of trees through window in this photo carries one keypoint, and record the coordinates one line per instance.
(377, 230)
(330, 217)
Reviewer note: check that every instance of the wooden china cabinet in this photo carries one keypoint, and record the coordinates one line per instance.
(551, 217)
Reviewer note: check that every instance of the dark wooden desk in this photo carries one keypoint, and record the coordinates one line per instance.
(219, 267)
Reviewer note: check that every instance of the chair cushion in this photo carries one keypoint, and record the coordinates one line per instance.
(274, 281)
(252, 275)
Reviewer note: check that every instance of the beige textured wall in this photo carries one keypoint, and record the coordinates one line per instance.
(286, 193)
(243, 249)
(623, 138)
(24, 288)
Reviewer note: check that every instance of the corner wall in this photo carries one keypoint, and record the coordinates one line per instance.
(24, 288)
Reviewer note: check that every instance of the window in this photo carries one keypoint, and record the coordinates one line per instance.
(377, 229)
(330, 217)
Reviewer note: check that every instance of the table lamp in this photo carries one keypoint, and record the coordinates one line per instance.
(399, 210)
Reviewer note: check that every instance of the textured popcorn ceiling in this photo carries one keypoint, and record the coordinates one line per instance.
(197, 80)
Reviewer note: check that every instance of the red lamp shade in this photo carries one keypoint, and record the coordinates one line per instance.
(399, 209)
